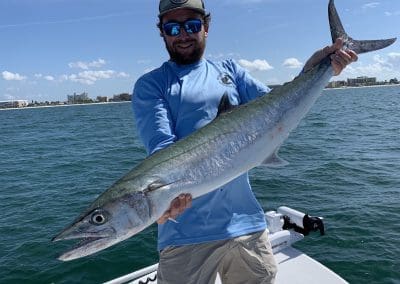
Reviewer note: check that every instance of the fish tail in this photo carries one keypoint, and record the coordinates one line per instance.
(358, 46)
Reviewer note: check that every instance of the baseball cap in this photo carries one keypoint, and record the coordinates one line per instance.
(170, 5)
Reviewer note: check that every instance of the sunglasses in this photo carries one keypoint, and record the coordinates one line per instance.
(192, 26)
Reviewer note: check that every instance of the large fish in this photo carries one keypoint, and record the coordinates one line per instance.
(236, 141)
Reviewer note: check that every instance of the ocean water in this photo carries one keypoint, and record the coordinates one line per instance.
(344, 165)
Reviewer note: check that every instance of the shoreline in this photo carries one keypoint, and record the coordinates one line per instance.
(65, 105)
(360, 87)
(103, 103)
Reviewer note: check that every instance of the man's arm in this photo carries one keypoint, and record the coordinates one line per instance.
(152, 116)
(340, 58)
(155, 128)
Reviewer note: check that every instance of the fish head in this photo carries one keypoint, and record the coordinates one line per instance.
(105, 224)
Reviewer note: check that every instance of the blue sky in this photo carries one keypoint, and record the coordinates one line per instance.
(52, 48)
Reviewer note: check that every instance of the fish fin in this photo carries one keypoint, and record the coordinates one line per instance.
(173, 220)
(156, 185)
(225, 104)
(358, 46)
(274, 161)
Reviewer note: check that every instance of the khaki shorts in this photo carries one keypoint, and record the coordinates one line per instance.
(246, 259)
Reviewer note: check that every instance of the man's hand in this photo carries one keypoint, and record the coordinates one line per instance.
(177, 206)
(340, 58)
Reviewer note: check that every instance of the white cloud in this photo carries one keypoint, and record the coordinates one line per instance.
(89, 77)
(292, 63)
(49, 78)
(390, 62)
(256, 65)
(8, 76)
(392, 13)
(87, 65)
(382, 67)
(123, 75)
(63, 78)
(394, 59)
(371, 5)
(379, 59)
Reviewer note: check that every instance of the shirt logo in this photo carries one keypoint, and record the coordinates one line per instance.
(224, 79)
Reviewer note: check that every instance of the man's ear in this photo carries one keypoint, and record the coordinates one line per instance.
(206, 31)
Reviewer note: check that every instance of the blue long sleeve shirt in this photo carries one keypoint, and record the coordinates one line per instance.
(170, 103)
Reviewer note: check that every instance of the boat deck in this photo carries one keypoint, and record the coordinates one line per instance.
(294, 266)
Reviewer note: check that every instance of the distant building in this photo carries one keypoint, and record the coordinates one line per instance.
(361, 81)
(79, 99)
(121, 97)
(337, 84)
(13, 104)
(101, 99)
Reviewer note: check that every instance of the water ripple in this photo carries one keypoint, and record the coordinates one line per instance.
(344, 165)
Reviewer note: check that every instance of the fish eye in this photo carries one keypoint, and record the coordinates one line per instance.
(98, 217)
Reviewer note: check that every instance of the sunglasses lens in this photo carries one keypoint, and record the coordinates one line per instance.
(190, 26)
(172, 29)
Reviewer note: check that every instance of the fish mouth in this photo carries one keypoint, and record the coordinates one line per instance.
(71, 233)
(90, 242)
(87, 246)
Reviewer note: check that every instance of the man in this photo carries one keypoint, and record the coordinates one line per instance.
(223, 231)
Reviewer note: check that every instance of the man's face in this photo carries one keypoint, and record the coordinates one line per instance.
(184, 48)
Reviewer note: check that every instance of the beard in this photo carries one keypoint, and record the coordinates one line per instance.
(186, 58)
